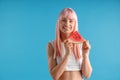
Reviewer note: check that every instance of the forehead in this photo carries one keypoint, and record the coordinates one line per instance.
(68, 15)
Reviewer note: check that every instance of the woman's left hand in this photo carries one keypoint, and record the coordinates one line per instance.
(86, 48)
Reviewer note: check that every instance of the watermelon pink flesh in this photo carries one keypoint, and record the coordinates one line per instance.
(76, 37)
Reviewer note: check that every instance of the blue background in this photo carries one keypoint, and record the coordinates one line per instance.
(27, 26)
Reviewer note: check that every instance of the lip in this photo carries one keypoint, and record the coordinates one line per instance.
(66, 28)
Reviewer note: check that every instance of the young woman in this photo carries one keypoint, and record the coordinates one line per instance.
(67, 60)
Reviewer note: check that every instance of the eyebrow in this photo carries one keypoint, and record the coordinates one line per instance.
(69, 19)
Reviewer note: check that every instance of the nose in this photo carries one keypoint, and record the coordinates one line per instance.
(67, 23)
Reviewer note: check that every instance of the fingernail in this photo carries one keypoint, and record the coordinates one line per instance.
(64, 41)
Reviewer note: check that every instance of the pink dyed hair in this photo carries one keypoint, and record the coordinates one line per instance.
(65, 13)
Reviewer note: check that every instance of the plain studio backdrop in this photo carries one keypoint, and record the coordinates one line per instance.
(27, 26)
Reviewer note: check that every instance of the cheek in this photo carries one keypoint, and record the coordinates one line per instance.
(61, 24)
(73, 26)
(61, 27)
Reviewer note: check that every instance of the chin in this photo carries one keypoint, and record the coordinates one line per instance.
(67, 32)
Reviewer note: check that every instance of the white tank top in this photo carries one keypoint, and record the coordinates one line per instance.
(72, 64)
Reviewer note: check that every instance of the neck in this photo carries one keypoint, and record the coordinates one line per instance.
(64, 36)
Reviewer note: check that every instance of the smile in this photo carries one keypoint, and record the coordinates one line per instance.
(66, 28)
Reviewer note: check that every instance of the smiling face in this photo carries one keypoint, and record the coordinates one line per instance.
(67, 23)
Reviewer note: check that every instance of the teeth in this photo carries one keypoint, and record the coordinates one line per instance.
(66, 27)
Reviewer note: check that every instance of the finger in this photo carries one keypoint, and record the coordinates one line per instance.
(67, 44)
(69, 41)
(70, 46)
(65, 41)
(86, 42)
(87, 45)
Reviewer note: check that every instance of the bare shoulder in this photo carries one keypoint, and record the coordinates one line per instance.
(50, 53)
(50, 49)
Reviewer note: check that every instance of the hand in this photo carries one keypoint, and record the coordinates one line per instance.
(68, 46)
(86, 48)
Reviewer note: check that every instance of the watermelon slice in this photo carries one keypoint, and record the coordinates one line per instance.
(75, 37)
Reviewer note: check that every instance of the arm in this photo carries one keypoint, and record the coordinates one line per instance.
(86, 66)
(56, 70)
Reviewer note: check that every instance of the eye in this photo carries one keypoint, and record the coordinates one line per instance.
(71, 21)
(63, 20)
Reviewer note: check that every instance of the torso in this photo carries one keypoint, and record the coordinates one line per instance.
(71, 75)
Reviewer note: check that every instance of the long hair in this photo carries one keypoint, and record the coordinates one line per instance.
(67, 12)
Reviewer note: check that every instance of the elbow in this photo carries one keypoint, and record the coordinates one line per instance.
(88, 74)
(54, 75)
(55, 78)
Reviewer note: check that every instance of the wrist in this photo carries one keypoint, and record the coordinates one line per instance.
(68, 54)
(86, 55)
